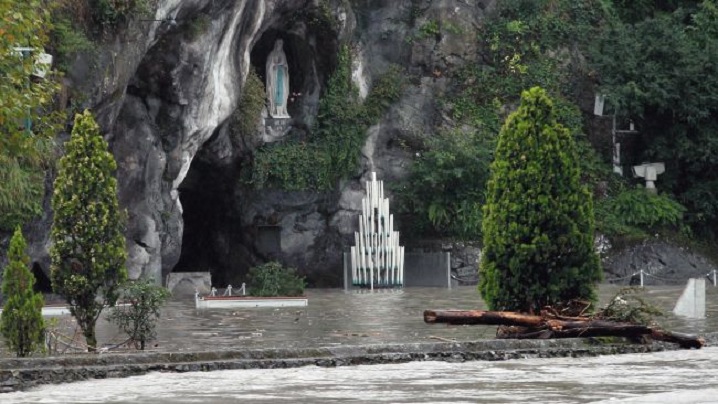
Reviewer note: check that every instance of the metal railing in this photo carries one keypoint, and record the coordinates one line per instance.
(228, 291)
(640, 276)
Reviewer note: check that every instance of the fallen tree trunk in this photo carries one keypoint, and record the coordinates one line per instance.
(462, 317)
(524, 326)
(684, 340)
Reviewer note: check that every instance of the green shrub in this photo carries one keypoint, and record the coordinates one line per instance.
(272, 279)
(446, 188)
(635, 210)
(21, 192)
(292, 166)
(666, 80)
(246, 117)
(88, 250)
(21, 322)
(538, 218)
(527, 44)
(429, 29)
(138, 319)
(68, 39)
(109, 13)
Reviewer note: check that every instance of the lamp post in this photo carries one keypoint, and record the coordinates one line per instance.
(616, 149)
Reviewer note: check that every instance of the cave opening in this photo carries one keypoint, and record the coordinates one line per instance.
(219, 236)
(42, 282)
(212, 238)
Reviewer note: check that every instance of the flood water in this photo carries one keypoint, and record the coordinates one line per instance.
(665, 377)
(334, 317)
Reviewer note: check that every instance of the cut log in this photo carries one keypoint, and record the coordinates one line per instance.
(687, 341)
(462, 317)
(526, 326)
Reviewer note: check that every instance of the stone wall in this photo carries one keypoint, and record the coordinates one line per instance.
(19, 374)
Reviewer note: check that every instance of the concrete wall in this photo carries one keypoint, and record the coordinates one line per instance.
(427, 269)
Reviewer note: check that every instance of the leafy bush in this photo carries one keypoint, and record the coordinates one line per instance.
(139, 318)
(249, 111)
(634, 210)
(538, 218)
(68, 39)
(21, 322)
(21, 191)
(109, 13)
(446, 187)
(527, 45)
(272, 279)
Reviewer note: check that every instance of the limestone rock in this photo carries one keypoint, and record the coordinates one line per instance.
(164, 95)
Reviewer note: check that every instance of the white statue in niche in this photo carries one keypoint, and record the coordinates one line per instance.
(277, 81)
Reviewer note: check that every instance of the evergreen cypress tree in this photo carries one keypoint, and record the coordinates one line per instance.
(538, 219)
(88, 252)
(21, 322)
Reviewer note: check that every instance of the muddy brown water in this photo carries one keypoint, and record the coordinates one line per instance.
(335, 317)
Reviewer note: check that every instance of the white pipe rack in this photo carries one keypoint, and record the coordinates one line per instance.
(377, 259)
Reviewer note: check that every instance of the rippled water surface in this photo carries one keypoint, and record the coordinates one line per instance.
(335, 317)
(665, 377)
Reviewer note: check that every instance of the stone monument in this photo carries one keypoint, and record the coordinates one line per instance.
(277, 81)
(377, 259)
(692, 303)
(649, 171)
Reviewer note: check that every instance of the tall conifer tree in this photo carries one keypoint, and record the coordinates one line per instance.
(538, 219)
(88, 252)
(21, 322)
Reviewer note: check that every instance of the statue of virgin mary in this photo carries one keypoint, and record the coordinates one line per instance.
(277, 81)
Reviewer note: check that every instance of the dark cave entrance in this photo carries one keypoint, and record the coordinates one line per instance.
(42, 282)
(218, 236)
(212, 238)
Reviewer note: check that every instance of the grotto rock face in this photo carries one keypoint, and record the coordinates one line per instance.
(179, 171)
(166, 96)
(169, 99)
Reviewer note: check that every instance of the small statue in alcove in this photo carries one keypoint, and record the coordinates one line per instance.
(277, 81)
